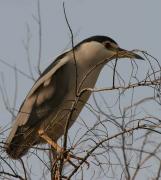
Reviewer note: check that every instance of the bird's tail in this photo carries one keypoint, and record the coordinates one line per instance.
(19, 145)
(16, 148)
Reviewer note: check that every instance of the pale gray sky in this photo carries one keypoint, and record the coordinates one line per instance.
(133, 24)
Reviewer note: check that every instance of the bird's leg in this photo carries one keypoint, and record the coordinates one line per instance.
(43, 135)
(58, 148)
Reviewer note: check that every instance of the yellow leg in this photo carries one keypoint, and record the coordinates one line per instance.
(58, 148)
(43, 135)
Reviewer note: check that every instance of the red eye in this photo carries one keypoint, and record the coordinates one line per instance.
(108, 45)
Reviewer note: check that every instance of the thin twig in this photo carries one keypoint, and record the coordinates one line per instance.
(18, 70)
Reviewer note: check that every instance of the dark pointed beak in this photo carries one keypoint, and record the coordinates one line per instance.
(122, 53)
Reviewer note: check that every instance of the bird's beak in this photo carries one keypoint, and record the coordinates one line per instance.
(122, 53)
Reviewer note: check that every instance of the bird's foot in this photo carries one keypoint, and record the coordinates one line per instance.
(72, 156)
(66, 154)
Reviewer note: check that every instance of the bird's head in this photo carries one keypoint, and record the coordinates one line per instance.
(103, 47)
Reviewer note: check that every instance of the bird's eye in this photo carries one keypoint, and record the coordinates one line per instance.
(108, 45)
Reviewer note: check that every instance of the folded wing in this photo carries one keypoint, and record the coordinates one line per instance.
(41, 92)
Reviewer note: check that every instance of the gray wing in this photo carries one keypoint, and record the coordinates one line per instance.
(42, 91)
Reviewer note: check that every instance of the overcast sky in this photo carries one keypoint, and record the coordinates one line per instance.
(132, 24)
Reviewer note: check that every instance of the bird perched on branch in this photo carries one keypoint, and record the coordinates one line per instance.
(58, 96)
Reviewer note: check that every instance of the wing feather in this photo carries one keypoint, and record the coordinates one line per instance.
(41, 91)
(45, 79)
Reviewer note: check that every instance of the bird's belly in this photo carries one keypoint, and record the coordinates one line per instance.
(55, 124)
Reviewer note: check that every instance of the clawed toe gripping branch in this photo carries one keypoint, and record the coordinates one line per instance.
(62, 155)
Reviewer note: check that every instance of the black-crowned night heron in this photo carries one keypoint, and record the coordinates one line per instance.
(49, 102)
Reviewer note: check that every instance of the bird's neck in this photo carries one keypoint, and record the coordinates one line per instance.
(89, 56)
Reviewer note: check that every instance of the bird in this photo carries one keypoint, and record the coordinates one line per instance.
(48, 104)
